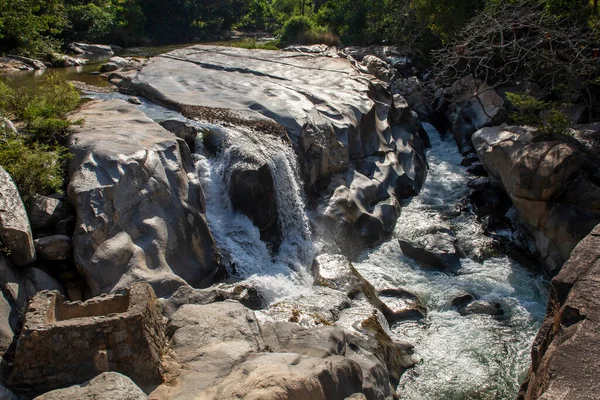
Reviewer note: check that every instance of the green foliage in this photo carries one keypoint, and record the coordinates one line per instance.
(31, 27)
(556, 124)
(35, 160)
(89, 21)
(295, 27)
(251, 44)
(35, 167)
(445, 17)
(259, 17)
(302, 30)
(528, 108)
(42, 110)
(529, 112)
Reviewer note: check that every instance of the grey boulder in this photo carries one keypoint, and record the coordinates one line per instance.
(436, 250)
(54, 248)
(15, 231)
(87, 48)
(44, 211)
(106, 386)
(140, 205)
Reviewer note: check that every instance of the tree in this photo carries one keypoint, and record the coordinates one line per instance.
(30, 27)
(89, 20)
(523, 41)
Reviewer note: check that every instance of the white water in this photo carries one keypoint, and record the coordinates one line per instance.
(473, 357)
(277, 275)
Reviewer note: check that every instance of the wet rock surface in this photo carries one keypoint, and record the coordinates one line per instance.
(435, 250)
(339, 120)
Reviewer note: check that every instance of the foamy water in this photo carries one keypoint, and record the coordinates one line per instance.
(472, 357)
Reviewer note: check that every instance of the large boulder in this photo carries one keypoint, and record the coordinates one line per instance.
(87, 48)
(274, 376)
(140, 205)
(337, 117)
(550, 183)
(565, 352)
(221, 351)
(15, 231)
(436, 249)
(106, 386)
(474, 105)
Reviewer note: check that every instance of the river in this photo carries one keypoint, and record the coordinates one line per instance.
(460, 357)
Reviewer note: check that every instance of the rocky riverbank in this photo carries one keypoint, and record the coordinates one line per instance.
(297, 161)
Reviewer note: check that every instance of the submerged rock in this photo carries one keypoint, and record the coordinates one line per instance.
(437, 250)
(481, 307)
(140, 206)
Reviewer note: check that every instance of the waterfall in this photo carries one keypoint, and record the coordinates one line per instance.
(285, 272)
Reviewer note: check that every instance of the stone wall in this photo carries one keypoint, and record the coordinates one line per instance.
(63, 343)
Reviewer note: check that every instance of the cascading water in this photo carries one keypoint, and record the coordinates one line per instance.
(285, 272)
(461, 357)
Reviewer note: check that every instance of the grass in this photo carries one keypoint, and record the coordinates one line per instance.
(249, 43)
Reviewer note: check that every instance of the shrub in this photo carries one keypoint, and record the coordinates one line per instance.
(556, 124)
(528, 108)
(301, 30)
(36, 161)
(35, 167)
(42, 110)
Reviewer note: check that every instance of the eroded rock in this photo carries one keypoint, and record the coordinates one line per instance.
(556, 199)
(15, 231)
(140, 205)
(565, 352)
(106, 386)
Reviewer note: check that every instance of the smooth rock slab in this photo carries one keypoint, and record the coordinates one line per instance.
(274, 376)
(15, 231)
(140, 205)
(106, 386)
